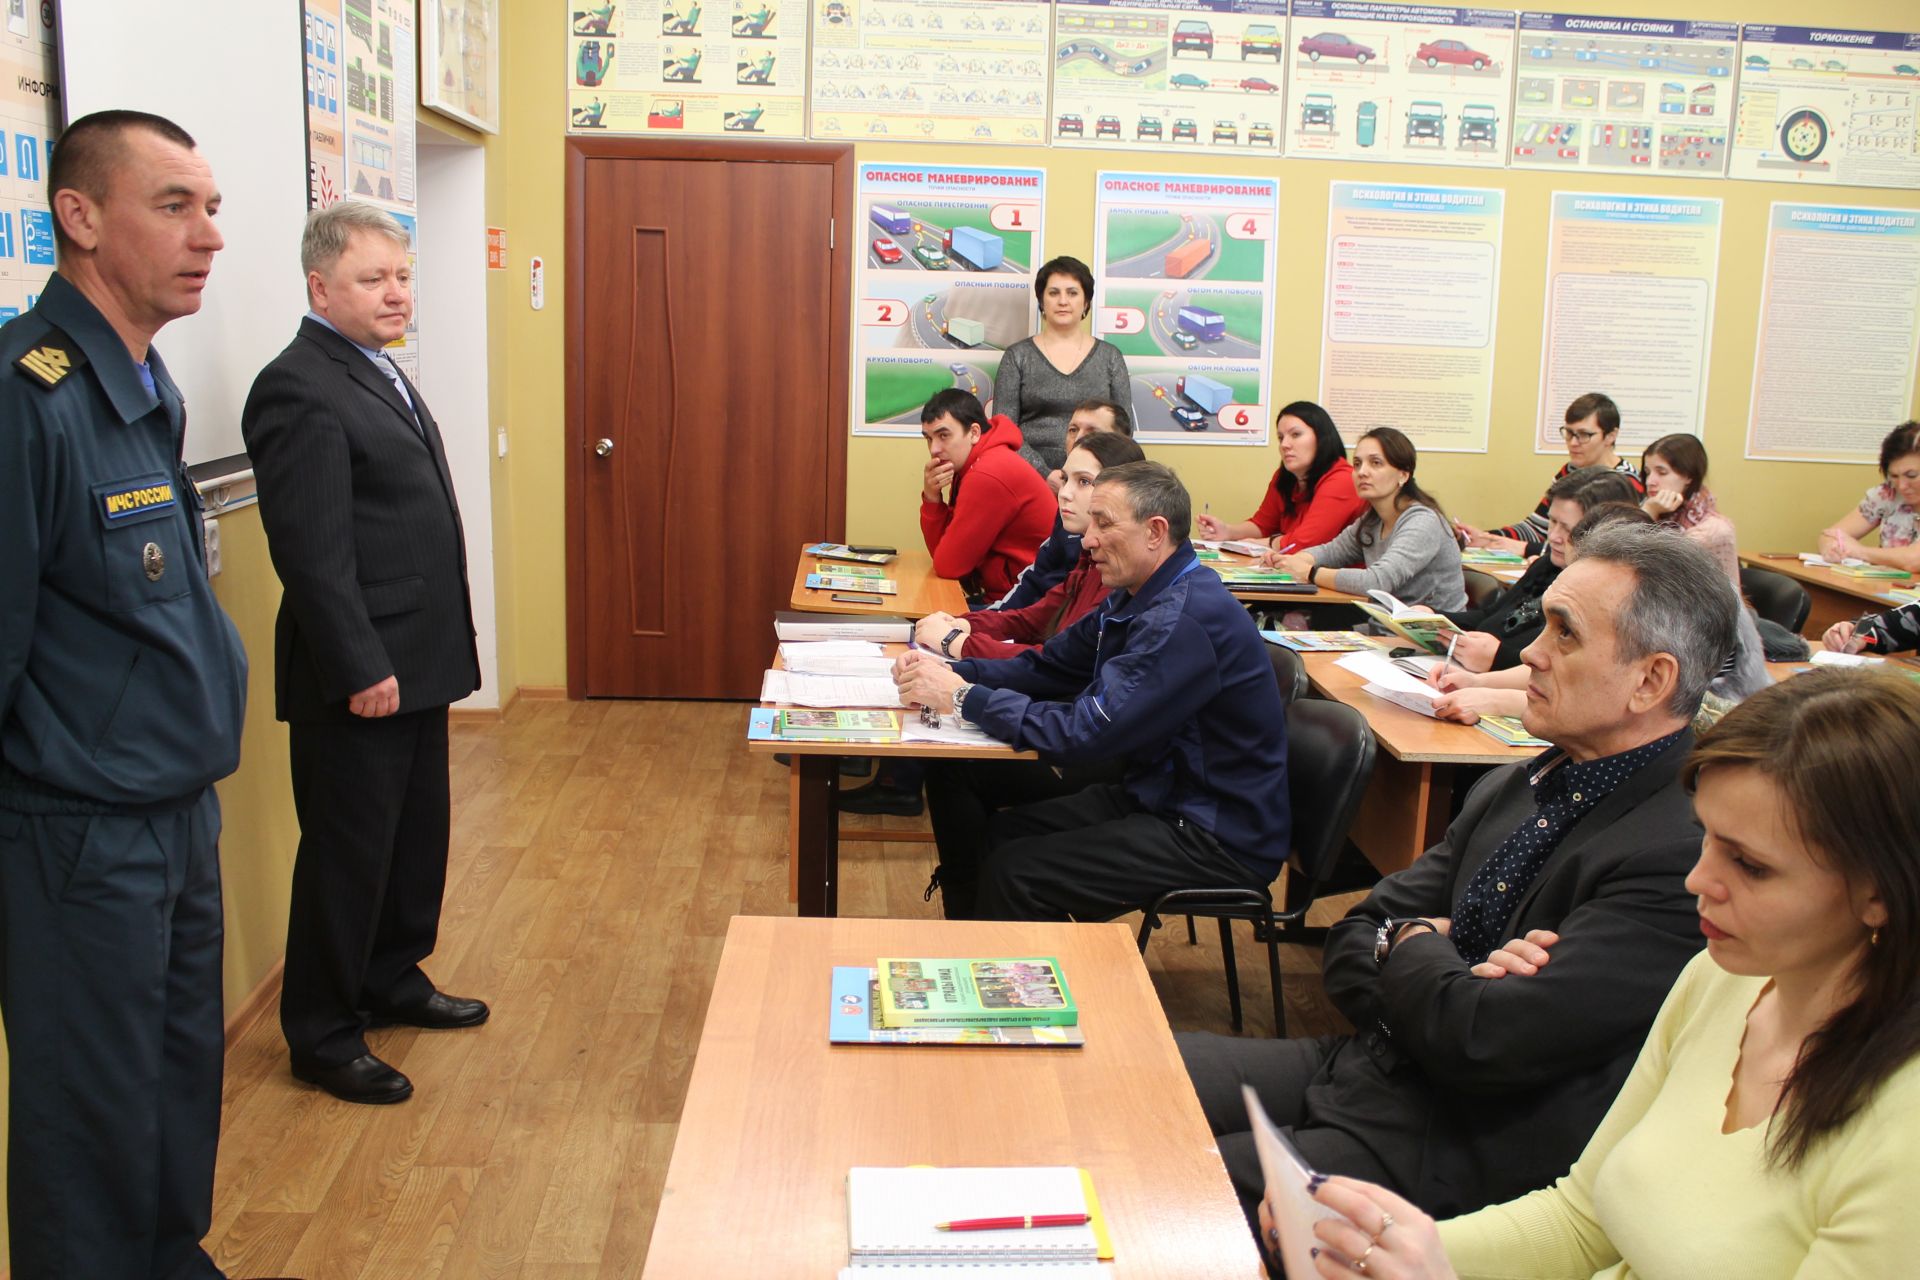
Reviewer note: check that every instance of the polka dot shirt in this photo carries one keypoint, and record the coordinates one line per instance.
(1563, 793)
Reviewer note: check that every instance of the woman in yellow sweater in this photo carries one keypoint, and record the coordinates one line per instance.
(1771, 1127)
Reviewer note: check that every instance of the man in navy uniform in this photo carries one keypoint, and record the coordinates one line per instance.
(122, 689)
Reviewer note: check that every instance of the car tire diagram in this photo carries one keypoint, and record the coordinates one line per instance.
(1803, 134)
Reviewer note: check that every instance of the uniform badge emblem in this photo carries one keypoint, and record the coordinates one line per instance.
(153, 560)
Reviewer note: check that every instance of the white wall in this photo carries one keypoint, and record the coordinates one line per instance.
(452, 307)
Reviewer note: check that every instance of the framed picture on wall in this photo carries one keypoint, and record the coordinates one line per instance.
(460, 60)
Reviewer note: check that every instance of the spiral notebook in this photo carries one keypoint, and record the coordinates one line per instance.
(891, 1215)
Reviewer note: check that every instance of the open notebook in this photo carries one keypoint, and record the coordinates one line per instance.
(891, 1215)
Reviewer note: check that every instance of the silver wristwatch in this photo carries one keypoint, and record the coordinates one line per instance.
(959, 696)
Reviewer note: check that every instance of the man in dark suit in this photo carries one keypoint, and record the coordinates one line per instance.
(1502, 985)
(374, 640)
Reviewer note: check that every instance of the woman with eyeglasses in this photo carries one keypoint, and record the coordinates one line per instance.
(1888, 507)
(1593, 425)
(1769, 1128)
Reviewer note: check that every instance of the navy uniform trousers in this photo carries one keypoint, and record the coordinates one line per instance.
(110, 935)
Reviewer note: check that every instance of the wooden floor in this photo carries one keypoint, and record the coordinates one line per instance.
(599, 849)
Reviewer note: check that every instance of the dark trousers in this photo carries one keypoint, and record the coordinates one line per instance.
(963, 796)
(1279, 1071)
(111, 992)
(1093, 855)
(367, 882)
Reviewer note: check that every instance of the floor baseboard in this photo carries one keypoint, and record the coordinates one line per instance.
(265, 994)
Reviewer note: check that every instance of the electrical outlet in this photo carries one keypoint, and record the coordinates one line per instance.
(210, 539)
(501, 437)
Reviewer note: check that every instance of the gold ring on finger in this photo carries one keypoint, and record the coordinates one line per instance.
(1360, 1263)
(1386, 1220)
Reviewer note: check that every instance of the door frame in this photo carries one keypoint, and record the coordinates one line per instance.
(581, 151)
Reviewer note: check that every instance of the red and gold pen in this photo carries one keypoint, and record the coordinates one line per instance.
(1025, 1223)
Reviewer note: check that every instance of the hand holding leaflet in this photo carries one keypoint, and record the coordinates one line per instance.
(1289, 1198)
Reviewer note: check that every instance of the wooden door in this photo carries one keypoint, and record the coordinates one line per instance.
(706, 409)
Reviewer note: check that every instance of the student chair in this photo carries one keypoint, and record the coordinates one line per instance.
(1329, 761)
(1289, 671)
(1481, 588)
(1776, 597)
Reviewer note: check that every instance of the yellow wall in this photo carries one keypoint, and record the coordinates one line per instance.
(1777, 505)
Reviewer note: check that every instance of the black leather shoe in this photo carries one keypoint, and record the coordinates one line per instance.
(438, 1012)
(365, 1079)
(877, 797)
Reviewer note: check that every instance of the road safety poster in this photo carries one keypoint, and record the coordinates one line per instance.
(945, 284)
(1833, 365)
(1820, 105)
(1629, 95)
(29, 120)
(1184, 267)
(1415, 84)
(687, 67)
(1413, 281)
(377, 74)
(931, 70)
(1630, 286)
(1198, 76)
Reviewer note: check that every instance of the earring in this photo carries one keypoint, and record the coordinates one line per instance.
(1873, 939)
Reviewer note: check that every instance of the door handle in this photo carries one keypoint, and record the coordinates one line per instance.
(603, 447)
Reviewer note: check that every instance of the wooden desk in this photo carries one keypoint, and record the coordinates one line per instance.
(1836, 597)
(775, 1115)
(921, 593)
(813, 820)
(1406, 806)
(1254, 595)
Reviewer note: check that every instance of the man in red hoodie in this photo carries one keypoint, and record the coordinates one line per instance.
(998, 510)
(1001, 633)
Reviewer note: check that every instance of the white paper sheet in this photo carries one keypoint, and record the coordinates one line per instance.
(953, 730)
(1401, 698)
(798, 690)
(1287, 1175)
(1377, 668)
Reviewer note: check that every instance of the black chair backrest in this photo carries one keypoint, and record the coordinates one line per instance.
(1289, 671)
(1329, 762)
(1776, 597)
(1481, 588)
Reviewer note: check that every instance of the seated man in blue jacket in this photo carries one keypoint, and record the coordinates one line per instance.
(1169, 676)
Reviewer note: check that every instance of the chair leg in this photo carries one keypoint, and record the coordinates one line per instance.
(1147, 925)
(1191, 939)
(1233, 972)
(1273, 975)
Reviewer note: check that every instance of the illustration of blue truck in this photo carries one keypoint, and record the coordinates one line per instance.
(982, 249)
(891, 221)
(1205, 392)
(1208, 326)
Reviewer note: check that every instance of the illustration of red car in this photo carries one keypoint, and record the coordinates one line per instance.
(1331, 44)
(1452, 52)
(1254, 84)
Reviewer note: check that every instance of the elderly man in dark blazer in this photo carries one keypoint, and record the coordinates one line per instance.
(1501, 986)
(374, 640)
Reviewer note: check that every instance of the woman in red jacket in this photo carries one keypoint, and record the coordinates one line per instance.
(1001, 633)
(1311, 498)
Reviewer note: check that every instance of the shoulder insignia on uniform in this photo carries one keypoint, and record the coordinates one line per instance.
(51, 361)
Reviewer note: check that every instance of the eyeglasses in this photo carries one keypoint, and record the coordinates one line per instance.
(1579, 437)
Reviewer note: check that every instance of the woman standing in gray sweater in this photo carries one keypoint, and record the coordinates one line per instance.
(1043, 379)
(1405, 541)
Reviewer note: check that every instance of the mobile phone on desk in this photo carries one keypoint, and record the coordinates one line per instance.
(873, 551)
(851, 597)
(1779, 555)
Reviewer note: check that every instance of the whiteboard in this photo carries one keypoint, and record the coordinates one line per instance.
(231, 73)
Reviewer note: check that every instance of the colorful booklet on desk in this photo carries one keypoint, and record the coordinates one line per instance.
(770, 724)
(856, 1020)
(840, 551)
(1025, 992)
(1870, 571)
(893, 1217)
(1509, 730)
(852, 582)
(1322, 641)
(1487, 555)
(853, 570)
(1413, 622)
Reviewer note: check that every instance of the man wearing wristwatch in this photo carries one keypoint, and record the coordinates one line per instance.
(1167, 682)
(1500, 987)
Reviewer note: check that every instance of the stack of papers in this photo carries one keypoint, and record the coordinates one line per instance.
(794, 689)
(835, 658)
(952, 730)
(891, 1215)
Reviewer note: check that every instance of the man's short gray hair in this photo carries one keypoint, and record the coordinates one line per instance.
(1682, 604)
(1153, 489)
(330, 229)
